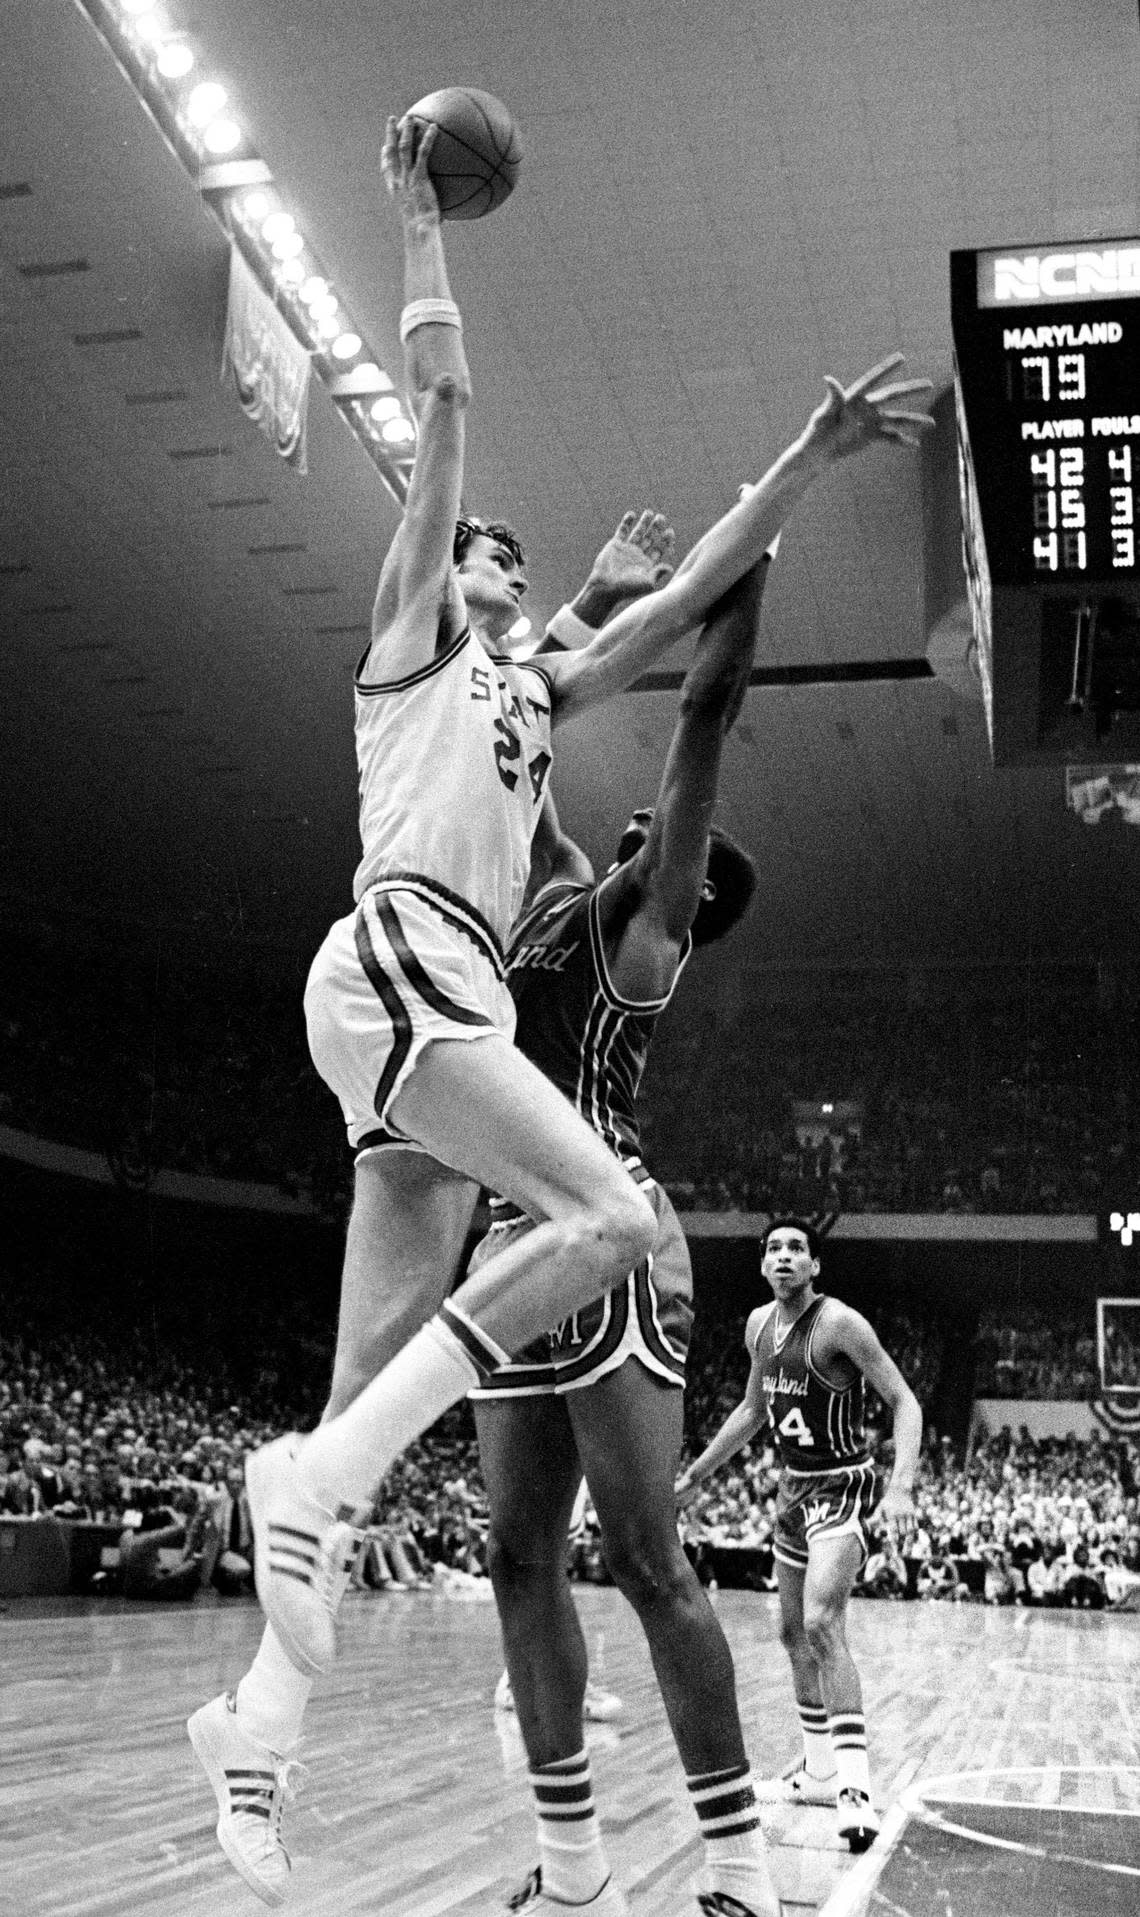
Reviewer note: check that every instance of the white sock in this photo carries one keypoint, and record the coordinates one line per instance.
(819, 1756)
(574, 1866)
(272, 1696)
(343, 1461)
(849, 1737)
(736, 1859)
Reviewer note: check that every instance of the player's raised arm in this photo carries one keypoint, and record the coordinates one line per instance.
(874, 409)
(664, 881)
(637, 558)
(416, 585)
(740, 1425)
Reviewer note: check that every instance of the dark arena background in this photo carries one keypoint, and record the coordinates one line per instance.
(926, 1032)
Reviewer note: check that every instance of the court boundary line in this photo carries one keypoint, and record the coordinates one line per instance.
(852, 1894)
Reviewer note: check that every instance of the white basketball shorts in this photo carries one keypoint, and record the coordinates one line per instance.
(412, 964)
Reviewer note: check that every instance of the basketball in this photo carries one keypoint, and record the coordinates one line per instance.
(475, 160)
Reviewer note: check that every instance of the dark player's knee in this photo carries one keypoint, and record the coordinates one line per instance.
(652, 1572)
(517, 1559)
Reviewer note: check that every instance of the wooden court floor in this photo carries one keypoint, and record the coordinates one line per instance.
(416, 1802)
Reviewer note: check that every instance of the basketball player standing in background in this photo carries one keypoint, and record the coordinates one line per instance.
(811, 1356)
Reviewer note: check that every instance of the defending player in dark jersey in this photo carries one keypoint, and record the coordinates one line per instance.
(591, 968)
(810, 1356)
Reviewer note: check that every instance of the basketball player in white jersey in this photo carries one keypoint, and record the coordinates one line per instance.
(810, 1357)
(409, 1018)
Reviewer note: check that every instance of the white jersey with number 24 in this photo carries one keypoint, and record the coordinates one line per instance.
(453, 763)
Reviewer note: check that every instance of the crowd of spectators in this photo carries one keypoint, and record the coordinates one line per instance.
(94, 1431)
(1049, 1521)
(87, 1437)
(1043, 1354)
(977, 1092)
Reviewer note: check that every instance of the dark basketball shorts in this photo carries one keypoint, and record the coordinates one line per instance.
(649, 1317)
(822, 1504)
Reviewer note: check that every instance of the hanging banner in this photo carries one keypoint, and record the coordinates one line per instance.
(269, 366)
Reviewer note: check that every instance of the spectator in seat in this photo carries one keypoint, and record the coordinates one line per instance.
(1079, 1586)
(884, 1574)
(230, 1567)
(20, 1496)
(142, 1572)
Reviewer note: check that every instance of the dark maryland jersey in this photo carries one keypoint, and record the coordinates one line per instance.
(573, 1023)
(818, 1426)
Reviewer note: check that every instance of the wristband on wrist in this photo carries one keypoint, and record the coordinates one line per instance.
(572, 631)
(428, 313)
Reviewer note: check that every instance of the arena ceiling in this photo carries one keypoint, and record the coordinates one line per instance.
(718, 204)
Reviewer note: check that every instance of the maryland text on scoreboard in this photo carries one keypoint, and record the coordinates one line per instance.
(1047, 387)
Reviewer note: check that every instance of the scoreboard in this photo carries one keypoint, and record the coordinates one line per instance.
(1047, 395)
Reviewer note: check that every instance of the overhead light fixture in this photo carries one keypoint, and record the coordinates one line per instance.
(162, 55)
(206, 102)
(386, 407)
(221, 136)
(149, 26)
(175, 60)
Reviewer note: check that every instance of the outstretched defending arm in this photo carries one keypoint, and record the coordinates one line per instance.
(416, 587)
(637, 558)
(848, 421)
(739, 1426)
(648, 905)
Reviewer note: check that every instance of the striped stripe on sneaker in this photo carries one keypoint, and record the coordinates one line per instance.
(303, 1555)
(251, 1786)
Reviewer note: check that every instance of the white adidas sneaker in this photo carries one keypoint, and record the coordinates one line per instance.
(532, 1899)
(797, 1786)
(252, 1786)
(856, 1820)
(723, 1903)
(303, 1555)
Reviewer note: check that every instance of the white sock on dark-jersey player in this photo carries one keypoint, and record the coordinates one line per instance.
(736, 1857)
(574, 1866)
